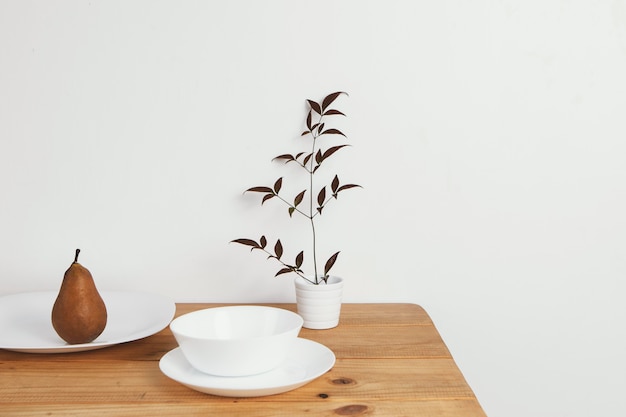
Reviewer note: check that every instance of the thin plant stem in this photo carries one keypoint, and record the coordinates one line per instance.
(311, 208)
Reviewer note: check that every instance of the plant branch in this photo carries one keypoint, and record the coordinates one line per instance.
(292, 206)
(310, 162)
(291, 267)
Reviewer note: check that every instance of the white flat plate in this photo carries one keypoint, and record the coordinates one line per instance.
(26, 324)
(306, 361)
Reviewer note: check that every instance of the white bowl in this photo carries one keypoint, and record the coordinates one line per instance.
(236, 340)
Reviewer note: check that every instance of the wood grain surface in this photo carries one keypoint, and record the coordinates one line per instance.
(391, 361)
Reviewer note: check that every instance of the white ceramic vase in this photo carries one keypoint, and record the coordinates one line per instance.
(319, 305)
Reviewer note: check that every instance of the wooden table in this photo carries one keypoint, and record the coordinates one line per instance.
(391, 361)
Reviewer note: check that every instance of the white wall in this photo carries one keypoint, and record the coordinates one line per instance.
(489, 137)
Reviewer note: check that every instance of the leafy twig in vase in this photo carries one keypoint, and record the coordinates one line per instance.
(309, 161)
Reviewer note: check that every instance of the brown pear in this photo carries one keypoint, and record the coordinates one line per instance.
(79, 314)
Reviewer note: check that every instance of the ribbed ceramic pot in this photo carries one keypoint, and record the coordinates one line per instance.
(319, 305)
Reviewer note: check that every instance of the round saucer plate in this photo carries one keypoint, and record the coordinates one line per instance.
(306, 361)
(26, 326)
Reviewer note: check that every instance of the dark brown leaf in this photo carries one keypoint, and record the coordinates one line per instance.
(318, 156)
(330, 98)
(299, 259)
(321, 197)
(315, 106)
(299, 198)
(332, 132)
(286, 157)
(247, 242)
(306, 132)
(330, 262)
(284, 271)
(332, 112)
(347, 186)
(306, 159)
(278, 185)
(278, 249)
(263, 242)
(335, 184)
(308, 120)
(267, 197)
(332, 150)
(291, 210)
(260, 189)
(320, 128)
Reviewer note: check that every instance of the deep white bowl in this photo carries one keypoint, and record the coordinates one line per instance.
(236, 340)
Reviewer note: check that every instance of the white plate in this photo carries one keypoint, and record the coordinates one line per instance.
(26, 324)
(305, 362)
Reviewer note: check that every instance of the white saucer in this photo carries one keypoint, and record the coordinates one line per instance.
(26, 324)
(306, 361)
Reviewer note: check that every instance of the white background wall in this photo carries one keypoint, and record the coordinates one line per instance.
(489, 137)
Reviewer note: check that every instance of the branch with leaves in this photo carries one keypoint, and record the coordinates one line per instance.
(310, 161)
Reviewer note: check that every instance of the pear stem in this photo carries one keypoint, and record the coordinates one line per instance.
(76, 257)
